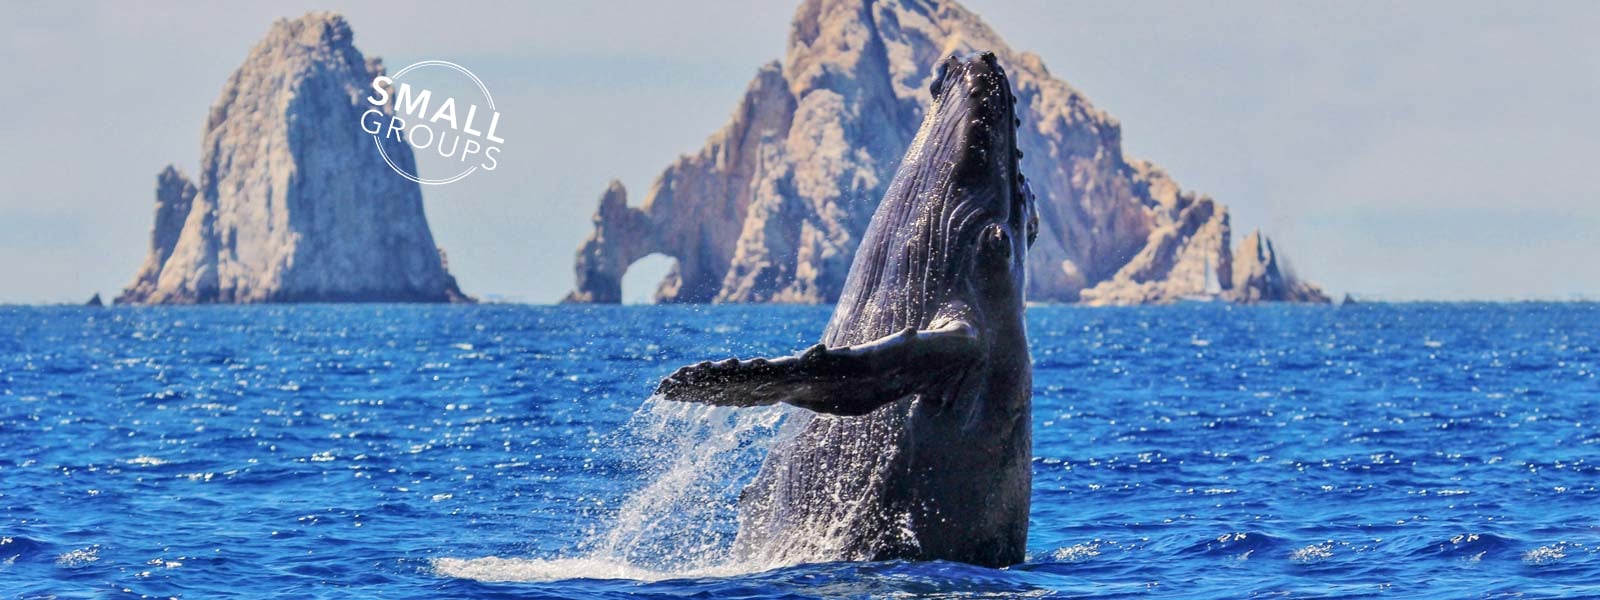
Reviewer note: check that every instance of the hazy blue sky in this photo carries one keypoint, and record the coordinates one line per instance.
(1399, 150)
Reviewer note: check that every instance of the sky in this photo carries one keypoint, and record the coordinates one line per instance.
(1404, 151)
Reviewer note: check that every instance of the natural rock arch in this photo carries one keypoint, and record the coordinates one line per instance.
(772, 207)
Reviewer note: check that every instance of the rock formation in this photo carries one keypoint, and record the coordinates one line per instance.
(771, 209)
(621, 235)
(174, 197)
(1261, 275)
(293, 203)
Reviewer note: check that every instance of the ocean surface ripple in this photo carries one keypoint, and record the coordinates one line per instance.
(1411, 450)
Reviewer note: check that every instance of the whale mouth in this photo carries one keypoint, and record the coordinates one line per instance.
(974, 130)
(976, 75)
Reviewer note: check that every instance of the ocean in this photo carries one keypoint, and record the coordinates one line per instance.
(392, 451)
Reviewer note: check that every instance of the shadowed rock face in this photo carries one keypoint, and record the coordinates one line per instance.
(621, 235)
(774, 205)
(1260, 276)
(174, 197)
(293, 202)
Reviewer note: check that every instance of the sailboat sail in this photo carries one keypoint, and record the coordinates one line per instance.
(1212, 286)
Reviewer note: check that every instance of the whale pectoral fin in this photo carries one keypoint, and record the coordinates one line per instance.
(848, 381)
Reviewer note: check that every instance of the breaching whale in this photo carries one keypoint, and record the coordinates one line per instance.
(916, 442)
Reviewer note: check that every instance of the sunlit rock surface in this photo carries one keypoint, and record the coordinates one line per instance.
(293, 202)
(1261, 275)
(772, 207)
(174, 196)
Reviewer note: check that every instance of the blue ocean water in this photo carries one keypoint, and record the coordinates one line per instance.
(509, 451)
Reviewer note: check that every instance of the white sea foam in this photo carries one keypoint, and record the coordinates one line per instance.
(1544, 555)
(1078, 552)
(1312, 553)
(79, 557)
(494, 568)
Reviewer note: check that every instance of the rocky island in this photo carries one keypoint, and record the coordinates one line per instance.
(772, 207)
(293, 203)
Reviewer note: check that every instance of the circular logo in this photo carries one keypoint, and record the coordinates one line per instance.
(455, 131)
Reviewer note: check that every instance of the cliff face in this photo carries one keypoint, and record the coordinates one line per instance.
(771, 209)
(1260, 276)
(174, 197)
(621, 236)
(293, 202)
(696, 210)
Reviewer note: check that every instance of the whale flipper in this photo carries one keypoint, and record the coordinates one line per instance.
(846, 381)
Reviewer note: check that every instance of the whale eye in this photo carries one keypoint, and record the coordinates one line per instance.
(938, 79)
(1033, 229)
(996, 243)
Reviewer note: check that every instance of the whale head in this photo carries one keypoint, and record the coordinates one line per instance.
(950, 239)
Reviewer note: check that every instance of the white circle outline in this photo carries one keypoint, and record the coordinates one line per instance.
(379, 143)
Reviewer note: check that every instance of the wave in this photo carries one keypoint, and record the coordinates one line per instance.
(1472, 546)
(1241, 545)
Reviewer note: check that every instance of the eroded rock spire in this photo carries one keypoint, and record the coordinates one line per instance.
(293, 202)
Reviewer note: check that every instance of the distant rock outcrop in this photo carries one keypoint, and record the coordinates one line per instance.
(293, 202)
(621, 235)
(95, 301)
(174, 197)
(1261, 275)
(771, 209)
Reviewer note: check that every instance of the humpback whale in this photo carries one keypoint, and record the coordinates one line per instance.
(915, 442)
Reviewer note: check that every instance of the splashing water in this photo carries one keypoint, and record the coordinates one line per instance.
(682, 521)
